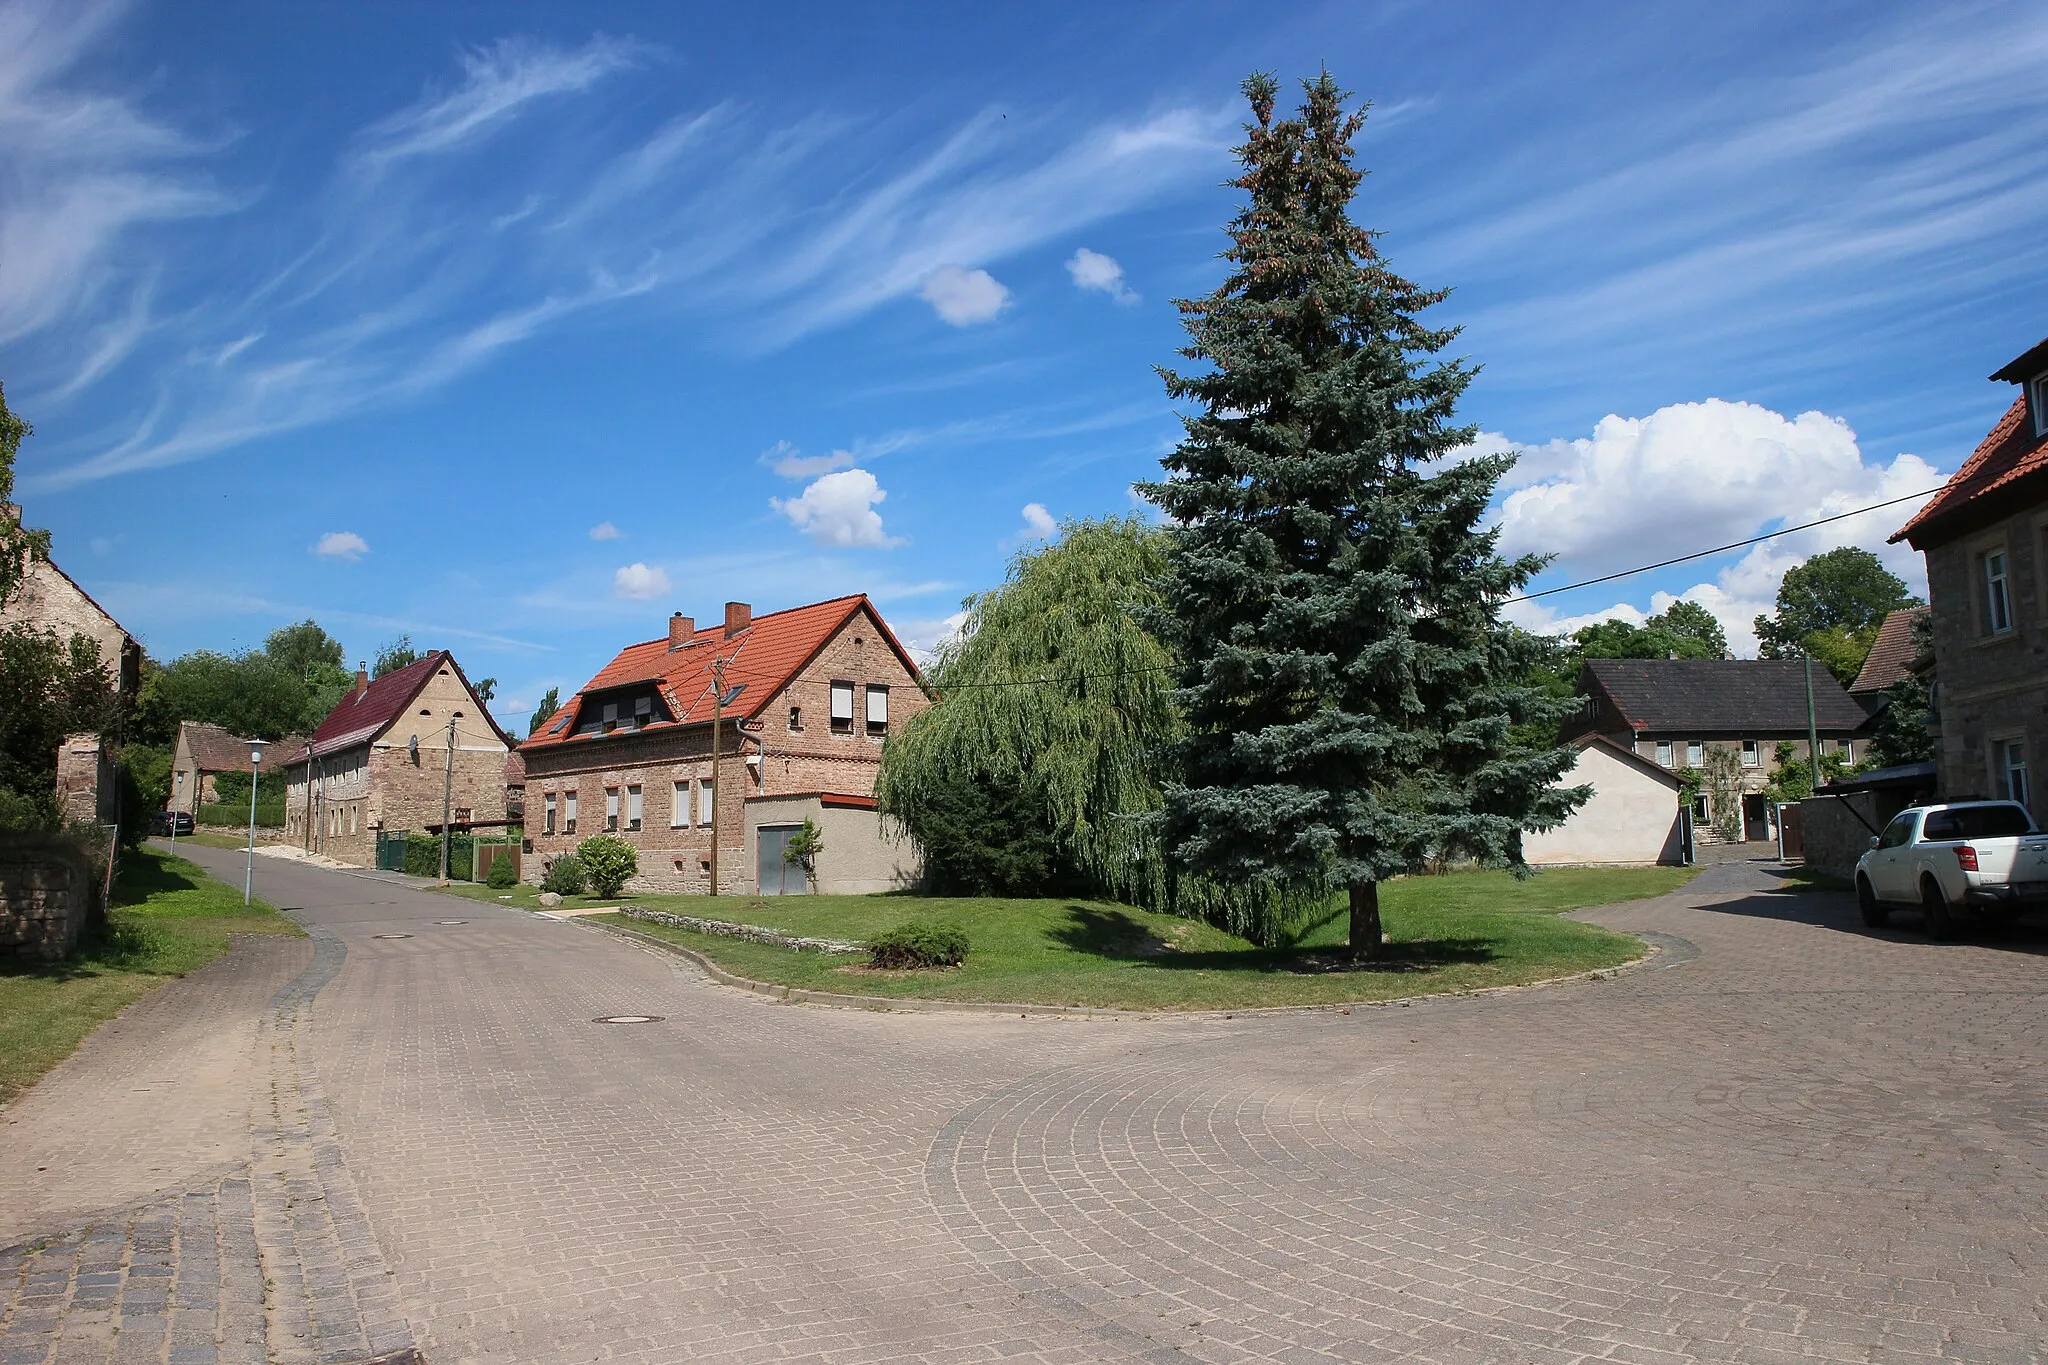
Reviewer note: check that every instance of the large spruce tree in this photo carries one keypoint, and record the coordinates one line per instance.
(1348, 686)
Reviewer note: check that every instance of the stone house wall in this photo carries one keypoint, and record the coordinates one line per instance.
(46, 898)
(49, 600)
(336, 804)
(801, 756)
(1991, 687)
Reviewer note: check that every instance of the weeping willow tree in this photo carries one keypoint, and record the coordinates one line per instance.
(1054, 713)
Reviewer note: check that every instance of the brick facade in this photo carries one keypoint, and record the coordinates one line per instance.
(767, 755)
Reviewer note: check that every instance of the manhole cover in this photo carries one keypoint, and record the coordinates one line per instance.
(391, 936)
(628, 1019)
(451, 921)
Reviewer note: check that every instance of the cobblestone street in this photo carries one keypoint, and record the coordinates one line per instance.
(1784, 1138)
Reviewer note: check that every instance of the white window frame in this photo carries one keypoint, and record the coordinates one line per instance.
(679, 805)
(1664, 753)
(1752, 753)
(707, 802)
(841, 712)
(1847, 749)
(569, 811)
(877, 712)
(2013, 778)
(2037, 400)
(1695, 753)
(611, 810)
(547, 805)
(633, 806)
(1997, 586)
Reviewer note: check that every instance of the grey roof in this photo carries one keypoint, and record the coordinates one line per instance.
(1724, 696)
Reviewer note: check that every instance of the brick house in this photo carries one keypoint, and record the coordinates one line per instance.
(203, 750)
(382, 758)
(1985, 537)
(1674, 711)
(809, 696)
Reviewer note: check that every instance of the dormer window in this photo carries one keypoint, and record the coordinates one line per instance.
(2037, 401)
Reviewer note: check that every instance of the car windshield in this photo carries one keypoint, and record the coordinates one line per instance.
(1977, 822)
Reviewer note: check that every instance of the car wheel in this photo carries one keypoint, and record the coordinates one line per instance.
(1943, 922)
(1875, 916)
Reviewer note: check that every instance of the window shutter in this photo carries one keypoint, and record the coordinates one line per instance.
(842, 701)
(878, 706)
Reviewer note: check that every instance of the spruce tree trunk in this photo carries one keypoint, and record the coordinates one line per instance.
(1365, 920)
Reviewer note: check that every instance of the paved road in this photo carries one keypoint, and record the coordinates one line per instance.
(1791, 1139)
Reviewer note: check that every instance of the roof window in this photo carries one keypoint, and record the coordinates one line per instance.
(2037, 400)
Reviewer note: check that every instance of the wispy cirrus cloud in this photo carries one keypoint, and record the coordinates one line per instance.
(508, 205)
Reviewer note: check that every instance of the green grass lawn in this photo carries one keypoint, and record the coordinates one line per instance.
(169, 918)
(1464, 931)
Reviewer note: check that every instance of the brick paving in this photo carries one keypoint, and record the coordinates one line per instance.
(1786, 1139)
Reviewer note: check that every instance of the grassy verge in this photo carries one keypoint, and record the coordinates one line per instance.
(1466, 931)
(169, 918)
(208, 838)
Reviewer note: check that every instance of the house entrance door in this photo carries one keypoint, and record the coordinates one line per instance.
(1756, 816)
(778, 877)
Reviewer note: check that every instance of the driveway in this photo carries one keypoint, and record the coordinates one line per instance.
(1786, 1138)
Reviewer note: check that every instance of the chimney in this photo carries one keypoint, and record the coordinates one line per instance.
(680, 629)
(738, 616)
(362, 677)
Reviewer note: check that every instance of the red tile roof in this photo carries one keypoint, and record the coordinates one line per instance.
(759, 660)
(1891, 656)
(2010, 453)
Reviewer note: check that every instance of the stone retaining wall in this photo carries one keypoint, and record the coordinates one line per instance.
(46, 897)
(753, 933)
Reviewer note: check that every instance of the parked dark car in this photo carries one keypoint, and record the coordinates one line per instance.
(160, 823)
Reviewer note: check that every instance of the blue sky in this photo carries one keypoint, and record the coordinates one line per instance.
(517, 326)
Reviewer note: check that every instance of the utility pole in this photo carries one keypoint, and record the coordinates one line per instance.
(1812, 730)
(717, 788)
(447, 795)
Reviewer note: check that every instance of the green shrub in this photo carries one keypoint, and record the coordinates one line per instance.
(608, 861)
(269, 815)
(501, 876)
(918, 944)
(566, 876)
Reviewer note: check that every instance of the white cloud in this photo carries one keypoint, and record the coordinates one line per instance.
(604, 530)
(925, 638)
(498, 80)
(839, 510)
(1093, 270)
(1695, 475)
(790, 463)
(963, 297)
(1038, 523)
(346, 546)
(640, 582)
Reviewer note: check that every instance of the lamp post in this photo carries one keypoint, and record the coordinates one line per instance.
(249, 858)
(447, 796)
(177, 792)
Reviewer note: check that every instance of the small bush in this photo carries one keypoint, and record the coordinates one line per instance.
(918, 944)
(501, 876)
(608, 861)
(423, 856)
(566, 876)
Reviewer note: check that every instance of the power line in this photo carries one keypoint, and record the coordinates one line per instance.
(1527, 597)
(1722, 549)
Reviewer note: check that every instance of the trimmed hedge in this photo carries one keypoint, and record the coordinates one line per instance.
(423, 856)
(268, 815)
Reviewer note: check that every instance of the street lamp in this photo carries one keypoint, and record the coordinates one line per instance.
(177, 794)
(249, 858)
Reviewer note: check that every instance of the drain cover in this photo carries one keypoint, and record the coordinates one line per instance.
(451, 921)
(628, 1019)
(391, 936)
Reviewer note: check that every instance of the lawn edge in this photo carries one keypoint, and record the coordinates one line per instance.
(884, 1004)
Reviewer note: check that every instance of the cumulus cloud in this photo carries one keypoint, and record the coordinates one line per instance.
(640, 582)
(1038, 523)
(839, 510)
(604, 530)
(963, 297)
(343, 545)
(926, 638)
(1694, 475)
(790, 463)
(1093, 270)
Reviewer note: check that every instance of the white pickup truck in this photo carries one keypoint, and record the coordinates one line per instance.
(1953, 860)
